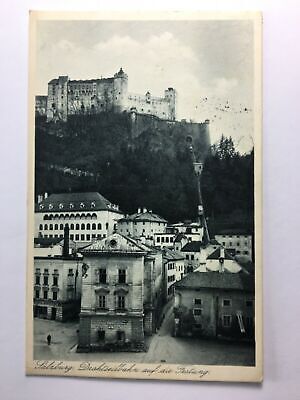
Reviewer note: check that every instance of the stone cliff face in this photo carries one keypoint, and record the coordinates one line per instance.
(132, 159)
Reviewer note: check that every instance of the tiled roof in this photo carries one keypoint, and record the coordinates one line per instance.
(114, 244)
(216, 280)
(179, 237)
(216, 255)
(143, 217)
(172, 254)
(193, 246)
(88, 201)
(48, 242)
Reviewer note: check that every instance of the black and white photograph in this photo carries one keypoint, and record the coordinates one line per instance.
(144, 239)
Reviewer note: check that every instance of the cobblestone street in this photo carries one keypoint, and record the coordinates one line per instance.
(162, 347)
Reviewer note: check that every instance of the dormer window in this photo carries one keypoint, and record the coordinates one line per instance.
(61, 206)
(71, 205)
(93, 204)
(41, 206)
(50, 206)
(81, 205)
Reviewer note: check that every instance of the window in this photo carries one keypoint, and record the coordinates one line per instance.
(162, 239)
(171, 239)
(237, 243)
(45, 294)
(70, 273)
(72, 226)
(37, 279)
(72, 237)
(83, 227)
(46, 227)
(93, 226)
(102, 301)
(158, 239)
(99, 226)
(56, 227)
(61, 227)
(88, 237)
(77, 237)
(197, 312)
(51, 227)
(121, 302)
(106, 226)
(101, 335)
(198, 302)
(187, 257)
(167, 239)
(55, 280)
(122, 276)
(82, 237)
(102, 275)
(192, 257)
(226, 303)
(249, 303)
(37, 294)
(41, 227)
(227, 321)
(54, 296)
(88, 226)
(77, 226)
(246, 252)
(45, 280)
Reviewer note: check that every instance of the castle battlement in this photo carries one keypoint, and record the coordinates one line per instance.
(67, 97)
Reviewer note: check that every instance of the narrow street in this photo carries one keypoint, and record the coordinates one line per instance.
(163, 347)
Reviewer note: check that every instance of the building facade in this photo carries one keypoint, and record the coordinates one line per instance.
(173, 271)
(89, 216)
(120, 292)
(144, 224)
(239, 242)
(215, 304)
(67, 97)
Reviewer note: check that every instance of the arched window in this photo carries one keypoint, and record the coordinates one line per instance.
(88, 216)
(46, 217)
(94, 216)
(83, 226)
(88, 226)
(106, 225)
(56, 216)
(46, 227)
(77, 226)
(67, 216)
(99, 226)
(61, 216)
(51, 217)
(41, 227)
(72, 216)
(55, 227)
(51, 227)
(61, 226)
(93, 226)
(77, 216)
(72, 226)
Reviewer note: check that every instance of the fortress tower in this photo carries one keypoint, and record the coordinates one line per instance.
(120, 91)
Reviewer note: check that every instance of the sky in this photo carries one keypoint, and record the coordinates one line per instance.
(209, 63)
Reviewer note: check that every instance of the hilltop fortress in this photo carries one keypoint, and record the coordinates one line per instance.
(67, 97)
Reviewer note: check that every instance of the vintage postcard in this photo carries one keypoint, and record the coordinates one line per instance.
(144, 196)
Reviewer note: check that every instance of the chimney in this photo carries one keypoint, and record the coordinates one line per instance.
(221, 259)
(139, 210)
(66, 241)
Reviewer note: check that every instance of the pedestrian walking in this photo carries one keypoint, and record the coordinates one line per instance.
(49, 339)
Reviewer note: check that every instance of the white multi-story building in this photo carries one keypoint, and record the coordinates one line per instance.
(90, 216)
(144, 223)
(239, 242)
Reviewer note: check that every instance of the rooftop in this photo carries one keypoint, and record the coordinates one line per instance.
(216, 280)
(88, 201)
(192, 246)
(172, 254)
(216, 255)
(147, 216)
